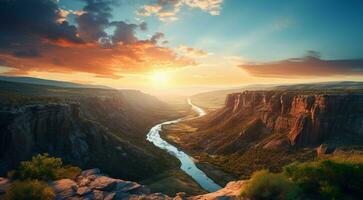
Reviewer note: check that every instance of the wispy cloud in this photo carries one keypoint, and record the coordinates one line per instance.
(191, 52)
(309, 66)
(167, 10)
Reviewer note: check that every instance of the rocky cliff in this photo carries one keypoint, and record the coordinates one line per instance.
(66, 131)
(304, 119)
(269, 129)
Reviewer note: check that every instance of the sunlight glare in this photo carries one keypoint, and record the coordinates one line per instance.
(160, 78)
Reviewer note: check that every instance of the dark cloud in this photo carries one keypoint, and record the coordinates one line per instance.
(156, 37)
(26, 53)
(35, 36)
(308, 66)
(29, 22)
(95, 19)
(124, 33)
(143, 26)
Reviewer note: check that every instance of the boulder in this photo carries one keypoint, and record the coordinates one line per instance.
(132, 188)
(4, 184)
(64, 188)
(81, 191)
(230, 192)
(181, 196)
(83, 181)
(91, 172)
(104, 183)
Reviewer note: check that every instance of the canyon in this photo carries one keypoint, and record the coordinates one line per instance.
(107, 129)
(85, 127)
(268, 129)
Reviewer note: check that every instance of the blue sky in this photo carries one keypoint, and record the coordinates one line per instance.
(261, 30)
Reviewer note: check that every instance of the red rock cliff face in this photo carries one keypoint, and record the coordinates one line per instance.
(305, 119)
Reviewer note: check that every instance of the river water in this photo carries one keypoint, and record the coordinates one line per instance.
(187, 163)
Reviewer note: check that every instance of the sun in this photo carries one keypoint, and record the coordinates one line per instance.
(160, 78)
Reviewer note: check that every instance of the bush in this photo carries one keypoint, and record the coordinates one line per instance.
(266, 185)
(29, 190)
(70, 172)
(43, 167)
(328, 179)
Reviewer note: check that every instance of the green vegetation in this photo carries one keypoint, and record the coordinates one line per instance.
(243, 165)
(29, 190)
(267, 185)
(32, 176)
(43, 167)
(330, 178)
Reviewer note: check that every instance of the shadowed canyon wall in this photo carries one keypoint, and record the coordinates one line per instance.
(106, 132)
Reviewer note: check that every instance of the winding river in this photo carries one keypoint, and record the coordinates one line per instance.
(187, 163)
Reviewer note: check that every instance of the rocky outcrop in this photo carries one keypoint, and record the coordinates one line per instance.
(231, 191)
(306, 119)
(61, 130)
(93, 185)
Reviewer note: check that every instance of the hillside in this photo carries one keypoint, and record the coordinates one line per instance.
(39, 81)
(87, 127)
(268, 129)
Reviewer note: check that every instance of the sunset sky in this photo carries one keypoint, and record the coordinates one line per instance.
(182, 46)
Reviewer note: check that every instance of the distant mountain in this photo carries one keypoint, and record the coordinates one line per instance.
(215, 99)
(38, 81)
(346, 85)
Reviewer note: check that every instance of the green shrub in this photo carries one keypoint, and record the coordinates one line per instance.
(266, 185)
(70, 172)
(43, 167)
(29, 190)
(328, 179)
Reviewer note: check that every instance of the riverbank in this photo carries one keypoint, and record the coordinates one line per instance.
(170, 133)
(217, 174)
(187, 162)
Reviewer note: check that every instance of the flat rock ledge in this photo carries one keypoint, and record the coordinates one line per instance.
(92, 185)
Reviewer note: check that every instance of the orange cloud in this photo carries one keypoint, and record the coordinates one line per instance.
(302, 67)
(102, 62)
(35, 36)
